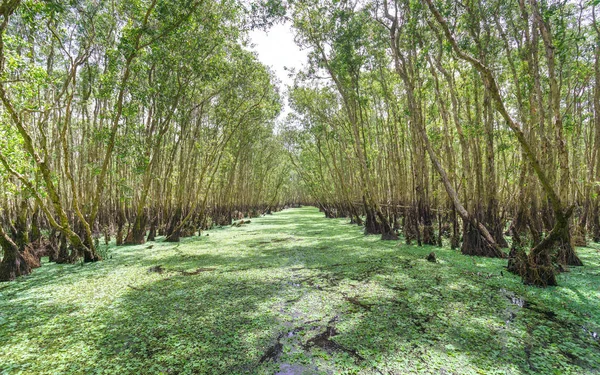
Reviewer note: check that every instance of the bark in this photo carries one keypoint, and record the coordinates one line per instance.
(595, 219)
(387, 234)
(596, 223)
(536, 273)
(495, 223)
(152, 231)
(118, 111)
(455, 237)
(13, 263)
(174, 229)
(579, 236)
(377, 223)
(477, 239)
(35, 233)
(120, 226)
(371, 224)
(475, 244)
(64, 255)
(138, 231)
(20, 228)
(428, 232)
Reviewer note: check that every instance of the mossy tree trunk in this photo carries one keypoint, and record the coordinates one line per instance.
(13, 263)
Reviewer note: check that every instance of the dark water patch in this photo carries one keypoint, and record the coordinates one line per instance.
(421, 321)
(511, 317)
(323, 340)
(315, 281)
(355, 301)
(334, 265)
(287, 239)
(197, 271)
(593, 334)
(290, 369)
(517, 301)
(368, 273)
(294, 332)
(550, 315)
(259, 243)
(398, 288)
(158, 269)
(524, 304)
(312, 283)
(311, 322)
(530, 363)
(569, 355)
(273, 352)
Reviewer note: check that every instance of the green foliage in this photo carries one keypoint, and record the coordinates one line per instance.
(295, 272)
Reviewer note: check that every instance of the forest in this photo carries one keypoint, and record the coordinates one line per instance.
(423, 198)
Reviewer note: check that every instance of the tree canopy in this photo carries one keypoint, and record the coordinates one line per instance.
(477, 122)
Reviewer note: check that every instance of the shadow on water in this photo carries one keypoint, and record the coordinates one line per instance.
(425, 312)
(207, 318)
(376, 307)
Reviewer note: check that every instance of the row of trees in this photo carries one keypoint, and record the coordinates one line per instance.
(421, 114)
(471, 120)
(123, 117)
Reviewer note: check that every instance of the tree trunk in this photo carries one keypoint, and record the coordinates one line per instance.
(595, 223)
(174, 230)
(494, 222)
(474, 243)
(387, 233)
(138, 232)
(35, 233)
(428, 232)
(13, 264)
(455, 237)
(120, 225)
(539, 270)
(371, 225)
(89, 255)
(152, 231)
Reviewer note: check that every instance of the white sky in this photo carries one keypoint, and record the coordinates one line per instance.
(276, 49)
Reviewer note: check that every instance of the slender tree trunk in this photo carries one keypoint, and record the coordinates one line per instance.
(537, 271)
(595, 216)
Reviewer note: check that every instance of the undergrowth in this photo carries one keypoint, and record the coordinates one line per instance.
(297, 293)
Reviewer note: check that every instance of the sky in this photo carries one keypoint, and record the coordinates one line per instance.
(276, 49)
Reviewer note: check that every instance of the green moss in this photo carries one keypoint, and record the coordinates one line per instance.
(284, 279)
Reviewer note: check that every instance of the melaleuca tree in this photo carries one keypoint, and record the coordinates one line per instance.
(122, 112)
